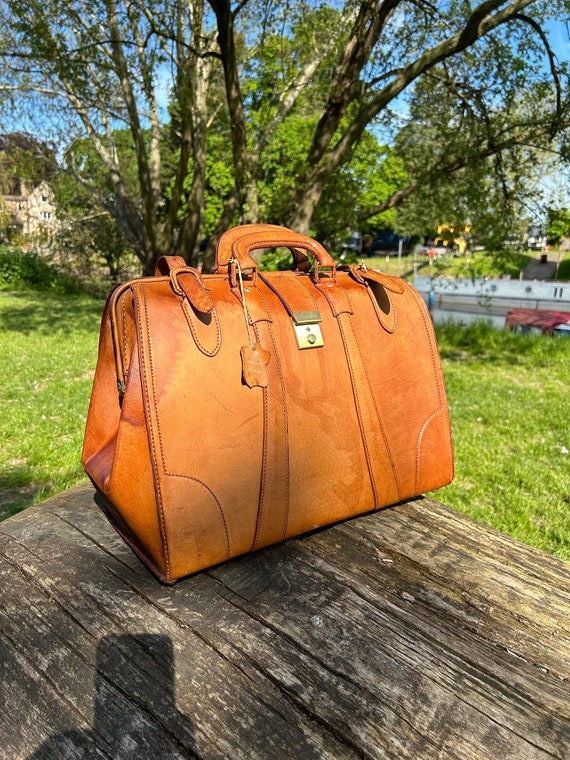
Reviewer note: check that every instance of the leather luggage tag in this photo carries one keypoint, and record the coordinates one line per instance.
(254, 360)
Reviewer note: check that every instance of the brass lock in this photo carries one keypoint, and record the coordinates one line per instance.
(308, 329)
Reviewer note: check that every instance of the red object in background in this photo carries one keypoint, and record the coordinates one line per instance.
(542, 320)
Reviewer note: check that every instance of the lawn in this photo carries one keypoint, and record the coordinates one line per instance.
(48, 349)
(509, 398)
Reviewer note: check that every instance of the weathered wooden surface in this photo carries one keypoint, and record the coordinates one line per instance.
(409, 633)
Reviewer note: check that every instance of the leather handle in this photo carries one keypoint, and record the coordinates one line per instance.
(224, 250)
(271, 238)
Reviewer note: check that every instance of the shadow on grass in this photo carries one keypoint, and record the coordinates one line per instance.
(47, 313)
(17, 490)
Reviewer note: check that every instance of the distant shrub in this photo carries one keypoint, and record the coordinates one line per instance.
(26, 270)
(275, 260)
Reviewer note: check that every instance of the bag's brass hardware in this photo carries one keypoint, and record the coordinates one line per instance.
(307, 317)
(309, 336)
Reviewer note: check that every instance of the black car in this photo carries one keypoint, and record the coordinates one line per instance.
(388, 241)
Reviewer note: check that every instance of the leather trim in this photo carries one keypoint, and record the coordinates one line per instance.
(207, 337)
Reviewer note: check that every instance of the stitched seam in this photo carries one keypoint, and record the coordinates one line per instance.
(358, 411)
(270, 282)
(286, 431)
(125, 343)
(419, 445)
(190, 319)
(379, 314)
(261, 500)
(306, 289)
(150, 427)
(377, 412)
(285, 420)
(421, 309)
(438, 377)
(215, 498)
(324, 290)
(163, 459)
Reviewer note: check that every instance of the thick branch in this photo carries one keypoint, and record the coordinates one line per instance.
(323, 162)
(493, 147)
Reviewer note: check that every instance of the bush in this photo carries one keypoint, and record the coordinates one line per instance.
(26, 270)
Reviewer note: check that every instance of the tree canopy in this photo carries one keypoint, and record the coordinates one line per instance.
(201, 114)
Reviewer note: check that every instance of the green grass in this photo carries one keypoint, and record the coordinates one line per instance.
(564, 268)
(48, 349)
(509, 398)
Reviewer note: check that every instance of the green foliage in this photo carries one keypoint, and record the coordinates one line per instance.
(503, 262)
(48, 350)
(467, 142)
(277, 259)
(23, 270)
(88, 237)
(509, 406)
(24, 160)
(324, 116)
(564, 269)
(371, 176)
(558, 224)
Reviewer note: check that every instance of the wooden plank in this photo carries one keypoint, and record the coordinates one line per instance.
(409, 633)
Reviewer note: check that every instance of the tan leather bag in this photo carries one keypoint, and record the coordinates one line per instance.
(233, 410)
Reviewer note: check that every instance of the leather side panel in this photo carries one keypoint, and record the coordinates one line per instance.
(405, 372)
(115, 452)
(206, 427)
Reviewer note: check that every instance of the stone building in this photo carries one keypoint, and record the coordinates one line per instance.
(29, 217)
(27, 204)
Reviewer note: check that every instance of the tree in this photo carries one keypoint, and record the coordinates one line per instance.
(100, 66)
(24, 160)
(88, 238)
(477, 144)
(242, 75)
(558, 224)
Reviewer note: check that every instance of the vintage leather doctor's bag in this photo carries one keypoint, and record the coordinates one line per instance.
(233, 410)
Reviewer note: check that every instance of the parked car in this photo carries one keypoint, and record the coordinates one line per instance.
(387, 241)
(353, 244)
(536, 238)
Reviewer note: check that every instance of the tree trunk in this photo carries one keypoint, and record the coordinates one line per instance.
(244, 163)
(188, 241)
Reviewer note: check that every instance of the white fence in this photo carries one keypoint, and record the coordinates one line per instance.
(465, 300)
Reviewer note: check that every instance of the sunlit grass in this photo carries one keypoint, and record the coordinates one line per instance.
(48, 349)
(509, 398)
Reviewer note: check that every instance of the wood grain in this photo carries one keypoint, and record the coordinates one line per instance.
(412, 632)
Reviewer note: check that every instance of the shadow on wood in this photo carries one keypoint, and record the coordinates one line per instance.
(412, 632)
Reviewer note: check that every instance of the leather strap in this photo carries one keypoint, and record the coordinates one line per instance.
(166, 264)
(375, 443)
